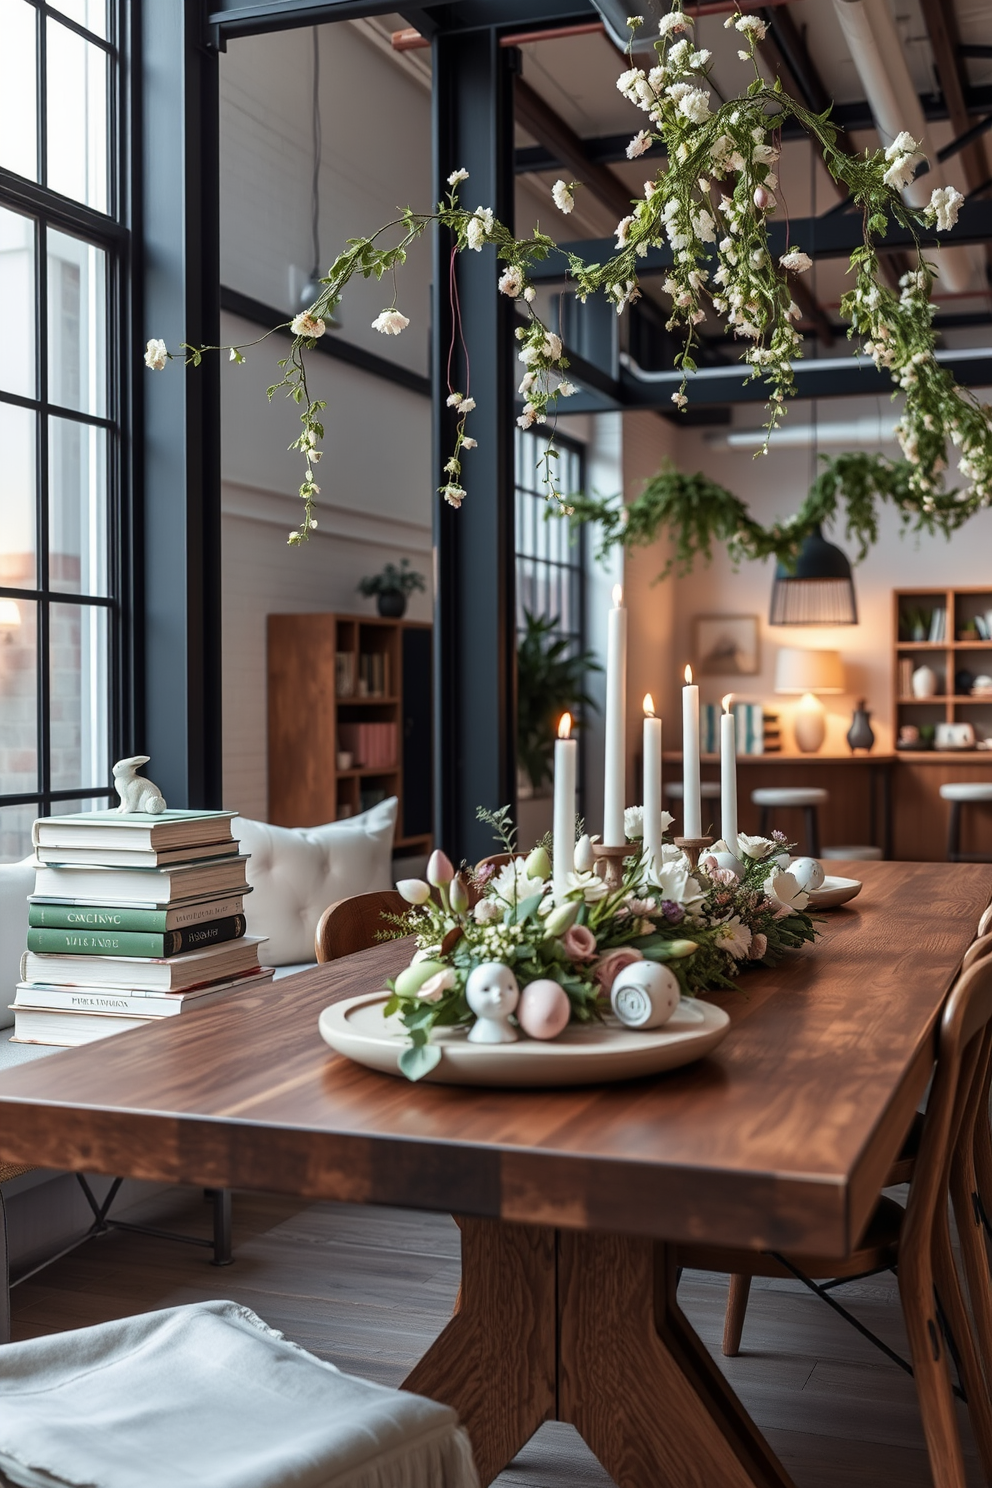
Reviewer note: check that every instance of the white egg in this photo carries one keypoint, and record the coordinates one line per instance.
(808, 873)
(727, 860)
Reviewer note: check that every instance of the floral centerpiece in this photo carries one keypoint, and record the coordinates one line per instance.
(704, 923)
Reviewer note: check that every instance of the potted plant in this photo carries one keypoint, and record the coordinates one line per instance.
(549, 682)
(392, 588)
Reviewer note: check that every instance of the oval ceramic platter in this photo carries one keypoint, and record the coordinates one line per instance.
(579, 1056)
(834, 891)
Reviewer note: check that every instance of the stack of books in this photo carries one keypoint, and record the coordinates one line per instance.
(753, 729)
(373, 745)
(133, 918)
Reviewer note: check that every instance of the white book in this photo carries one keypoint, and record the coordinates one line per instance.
(141, 888)
(132, 1004)
(136, 829)
(135, 857)
(152, 973)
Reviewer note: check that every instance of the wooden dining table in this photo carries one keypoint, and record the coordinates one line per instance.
(569, 1201)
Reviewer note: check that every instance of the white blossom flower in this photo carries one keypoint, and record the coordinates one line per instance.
(553, 346)
(565, 389)
(945, 204)
(479, 227)
(487, 911)
(676, 883)
(905, 159)
(695, 106)
(457, 176)
(528, 417)
(530, 294)
(561, 195)
(751, 25)
(633, 822)
(156, 354)
(513, 884)
(622, 229)
(469, 443)
(466, 405)
(310, 326)
(454, 399)
(755, 847)
(784, 888)
(634, 21)
(732, 937)
(435, 986)
(680, 400)
(390, 322)
(639, 145)
(588, 883)
(699, 59)
(674, 21)
(903, 144)
(744, 56)
(511, 282)
(797, 261)
(453, 495)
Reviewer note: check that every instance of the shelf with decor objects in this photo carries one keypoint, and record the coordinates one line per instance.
(349, 721)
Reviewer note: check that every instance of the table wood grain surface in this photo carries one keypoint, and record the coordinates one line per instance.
(779, 1139)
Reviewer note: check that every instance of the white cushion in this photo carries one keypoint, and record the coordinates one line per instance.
(208, 1394)
(790, 795)
(967, 790)
(296, 872)
(16, 883)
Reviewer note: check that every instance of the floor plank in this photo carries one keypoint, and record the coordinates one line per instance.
(370, 1289)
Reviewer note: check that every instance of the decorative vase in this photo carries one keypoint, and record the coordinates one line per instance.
(924, 682)
(391, 604)
(860, 735)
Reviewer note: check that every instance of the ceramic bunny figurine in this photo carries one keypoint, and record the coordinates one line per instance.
(492, 993)
(136, 793)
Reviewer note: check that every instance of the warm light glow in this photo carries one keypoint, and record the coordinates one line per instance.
(618, 595)
(648, 705)
(9, 612)
(727, 702)
(688, 676)
(565, 726)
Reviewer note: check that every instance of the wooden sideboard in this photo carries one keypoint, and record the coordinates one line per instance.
(889, 800)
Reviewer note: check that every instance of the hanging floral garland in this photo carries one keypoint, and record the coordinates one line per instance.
(711, 205)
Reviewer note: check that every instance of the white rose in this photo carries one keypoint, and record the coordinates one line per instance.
(156, 354)
(388, 323)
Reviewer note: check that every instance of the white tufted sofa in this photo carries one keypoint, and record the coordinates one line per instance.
(296, 872)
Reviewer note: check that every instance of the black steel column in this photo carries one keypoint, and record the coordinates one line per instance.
(474, 629)
(178, 261)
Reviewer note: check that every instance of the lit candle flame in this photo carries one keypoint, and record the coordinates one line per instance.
(565, 726)
(648, 705)
(688, 676)
(618, 595)
(727, 702)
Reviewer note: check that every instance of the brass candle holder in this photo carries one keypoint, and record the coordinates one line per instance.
(612, 859)
(693, 846)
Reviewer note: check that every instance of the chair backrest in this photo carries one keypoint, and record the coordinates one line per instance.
(352, 924)
(985, 923)
(979, 947)
(497, 860)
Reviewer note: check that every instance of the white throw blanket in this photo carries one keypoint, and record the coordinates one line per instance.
(208, 1396)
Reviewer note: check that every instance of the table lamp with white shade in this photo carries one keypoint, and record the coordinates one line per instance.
(809, 673)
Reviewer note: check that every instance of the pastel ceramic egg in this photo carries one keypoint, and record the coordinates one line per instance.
(727, 860)
(808, 873)
(544, 1009)
(644, 994)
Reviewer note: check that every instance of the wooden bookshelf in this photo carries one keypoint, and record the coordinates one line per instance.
(946, 657)
(328, 674)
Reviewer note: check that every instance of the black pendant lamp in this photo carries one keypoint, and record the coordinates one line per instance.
(819, 591)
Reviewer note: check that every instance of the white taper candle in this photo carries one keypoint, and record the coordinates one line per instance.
(652, 781)
(615, 763)
(563, 848)
(692, 825)
(728, 776)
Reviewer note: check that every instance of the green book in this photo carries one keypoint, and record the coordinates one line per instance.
(65, 914)
(134, 942)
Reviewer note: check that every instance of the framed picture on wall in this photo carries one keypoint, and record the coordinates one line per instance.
(725, 645)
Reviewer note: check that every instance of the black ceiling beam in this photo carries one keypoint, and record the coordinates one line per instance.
(550, 130)
(225, 19)
(821, 237)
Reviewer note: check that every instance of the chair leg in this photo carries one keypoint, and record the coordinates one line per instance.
(954, 832)
(970, 1365)
(221, 1198)
(931, 1370)
(764, 825)
(4, 1278)
(733, 1323)
(812, 831)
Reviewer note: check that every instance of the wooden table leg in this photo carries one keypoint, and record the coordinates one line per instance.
(495, 1361)
(585, 1328)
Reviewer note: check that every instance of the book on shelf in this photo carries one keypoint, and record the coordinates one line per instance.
(111, 942)
(66, 914)
(133, 830)
(982, 627)
(138, 857)
(344, 674)
(905, 683)
(373, 745)
(40, 995)
(70, 1027)
(750, 728)
(141, 888)
(166, 974)
(938, 625)
(373, 674)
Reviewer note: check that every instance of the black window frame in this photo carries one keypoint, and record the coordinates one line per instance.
(532, 442)
(110, 232)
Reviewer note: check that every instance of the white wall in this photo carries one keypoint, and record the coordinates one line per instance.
(375, 477)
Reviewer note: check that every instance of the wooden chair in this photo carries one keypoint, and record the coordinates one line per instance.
(352, 924)
(918, 1238)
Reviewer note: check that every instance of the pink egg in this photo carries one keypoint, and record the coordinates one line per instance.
(544, 1009)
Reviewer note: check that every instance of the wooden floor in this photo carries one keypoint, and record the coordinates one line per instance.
(370, 1289)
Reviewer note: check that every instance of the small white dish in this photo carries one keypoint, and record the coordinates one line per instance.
(834, 891)
(584, 1054)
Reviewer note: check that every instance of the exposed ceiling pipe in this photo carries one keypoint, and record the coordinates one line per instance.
(877, 53)
(870, 430)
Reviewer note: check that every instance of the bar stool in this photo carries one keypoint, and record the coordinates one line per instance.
(962, 793)
(709, 790)
(806, 798)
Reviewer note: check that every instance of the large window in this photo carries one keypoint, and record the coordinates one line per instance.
(62, 250)
(550, 554)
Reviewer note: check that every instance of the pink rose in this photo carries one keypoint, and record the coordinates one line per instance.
(612, 963)
(759, 945)
(723, 875)
(579, 943)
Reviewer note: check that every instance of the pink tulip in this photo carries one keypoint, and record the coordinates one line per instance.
(579, 943)
(440, 869)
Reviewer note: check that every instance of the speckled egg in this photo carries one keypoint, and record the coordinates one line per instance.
(808, 873)
(543, 1009)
